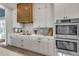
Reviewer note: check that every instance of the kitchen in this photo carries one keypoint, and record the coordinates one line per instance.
(40, 28)
(35, 30)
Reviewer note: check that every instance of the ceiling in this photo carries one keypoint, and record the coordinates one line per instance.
(9, 5)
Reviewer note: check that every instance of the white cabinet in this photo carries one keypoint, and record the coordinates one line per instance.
(17, 41)
(20, 40)
(39, 15)
(59, 10)
(9, 40)
(34, 43)
(27, 43)
(42, 15)
(40, 45)
(72, 10)
(52, 47)
(66, 10)
(14, 41)
(43, 46)
(14, 17)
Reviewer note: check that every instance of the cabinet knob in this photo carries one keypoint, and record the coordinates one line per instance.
(38, 41)
(21, 40)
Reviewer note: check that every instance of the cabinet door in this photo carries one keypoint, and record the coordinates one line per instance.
(44, 46)
(72, 10)
(18, 42)
(27, 43)
(34, 44)
(41, 45)
(59, 10)
(52, 47)
(13, 41)
(36, 15)
(14, 17)
(40, 15)
(50, 14)
(10, 40)
(24, 13)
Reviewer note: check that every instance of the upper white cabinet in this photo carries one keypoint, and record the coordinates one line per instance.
(59, 10)
(14, 17)
(66, 10)
(41, 45)
(42, 15)
(72, 10)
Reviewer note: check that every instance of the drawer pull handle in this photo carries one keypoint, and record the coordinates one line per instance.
(38, 41)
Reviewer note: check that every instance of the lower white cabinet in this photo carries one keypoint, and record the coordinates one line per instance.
(37, 44)
(33, 43)
(44, 46)
(15, 41)
(41, 45)
(27, 43)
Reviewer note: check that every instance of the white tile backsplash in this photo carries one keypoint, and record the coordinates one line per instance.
(29, 27)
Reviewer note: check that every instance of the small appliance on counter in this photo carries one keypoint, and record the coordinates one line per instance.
(35, 31)
(17, 30)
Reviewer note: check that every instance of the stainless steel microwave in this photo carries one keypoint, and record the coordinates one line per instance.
(67, 30)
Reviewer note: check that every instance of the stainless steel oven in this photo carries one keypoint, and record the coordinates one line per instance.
(67, 36)
(68, 46)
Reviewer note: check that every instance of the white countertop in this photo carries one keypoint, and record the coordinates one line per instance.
(50, 37)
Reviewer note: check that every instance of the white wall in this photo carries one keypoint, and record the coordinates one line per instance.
(8, 19)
